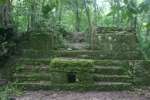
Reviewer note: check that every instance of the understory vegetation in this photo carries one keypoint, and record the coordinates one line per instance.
(7, 91)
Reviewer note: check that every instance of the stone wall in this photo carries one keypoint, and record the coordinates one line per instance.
(66, 71)
(37, 45)
(117, 42)
(39, 41)
(142, 72)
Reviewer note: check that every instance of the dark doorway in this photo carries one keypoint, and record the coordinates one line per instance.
(71, 77)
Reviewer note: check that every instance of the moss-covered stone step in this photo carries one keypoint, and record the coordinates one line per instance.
(31, 53)
(32, 69)
(74, 53)
(111, 62)
(86, 54)
(97, 54)
(111, 78)
(110, 70)
(32, 77)
(72, 64)
(29, 61)
(107, 86)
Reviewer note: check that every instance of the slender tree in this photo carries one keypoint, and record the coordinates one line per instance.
(95, 12)
(77, 16)
(92, 28)
(5, 13)
(60, 9)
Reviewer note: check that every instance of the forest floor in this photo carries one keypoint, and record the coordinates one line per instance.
(51, 95)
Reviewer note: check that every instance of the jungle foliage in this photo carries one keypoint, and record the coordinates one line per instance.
(62, 16)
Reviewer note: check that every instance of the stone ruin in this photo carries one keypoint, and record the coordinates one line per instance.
(116, 63)
(118, 43)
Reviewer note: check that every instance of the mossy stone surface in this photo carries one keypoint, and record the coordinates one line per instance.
(142, 72)
(114, 48)
(81, 68)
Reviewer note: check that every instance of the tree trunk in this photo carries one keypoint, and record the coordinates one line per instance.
(94, 25)
(5, 14)
(33, 16)
(91, 27)
(77, 16)
(118, 13)
(148, 28)
(135, 23)
(95, 12)
(28, 25)
(60, 12)
(112, 2)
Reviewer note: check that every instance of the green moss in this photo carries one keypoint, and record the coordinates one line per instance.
(110, 62)
(82, 69)
(111, 70)
(32, 77)
(74, 64)
(142, 72)
(29, 61)
(101, 54)
(40, 41)
(112, 78)
(77, 86)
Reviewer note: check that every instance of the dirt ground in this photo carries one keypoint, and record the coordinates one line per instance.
(51, 95)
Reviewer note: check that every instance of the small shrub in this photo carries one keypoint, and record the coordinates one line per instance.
(7, 91)
(142, 73)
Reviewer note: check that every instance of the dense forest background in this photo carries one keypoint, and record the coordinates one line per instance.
(63, 16)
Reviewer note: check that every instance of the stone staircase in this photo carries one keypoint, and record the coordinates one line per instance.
(113, 74)
(115, 54)
(35, 73)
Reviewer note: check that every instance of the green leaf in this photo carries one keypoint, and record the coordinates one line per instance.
(45, 9)
(126, 1)
(110, 13)
(144, 6)
(2, 1)
(147, 25)
(132, 7)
